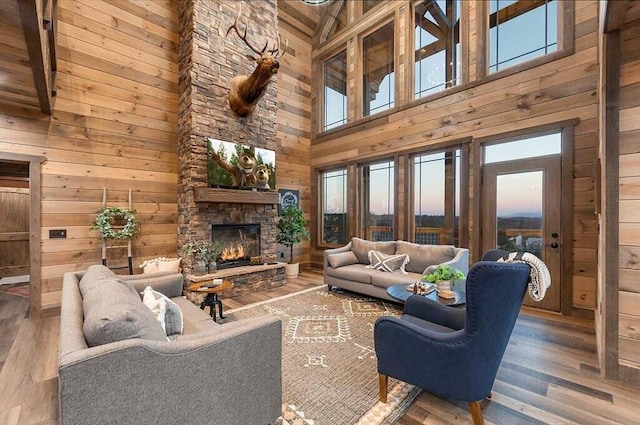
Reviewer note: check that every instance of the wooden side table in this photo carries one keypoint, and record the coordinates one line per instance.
(212, 298)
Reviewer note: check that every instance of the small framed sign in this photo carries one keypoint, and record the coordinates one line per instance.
(287, 197)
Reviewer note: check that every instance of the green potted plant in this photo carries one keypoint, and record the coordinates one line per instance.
(292, 230)
(442, 276)
(215, 249)
(199, 252)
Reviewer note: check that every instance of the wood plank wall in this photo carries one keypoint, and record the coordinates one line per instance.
(14, 231)
(563, 89)
(114, 126)
(297, 23)
(629, 191)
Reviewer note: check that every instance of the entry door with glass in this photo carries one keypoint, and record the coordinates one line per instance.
(521, 212)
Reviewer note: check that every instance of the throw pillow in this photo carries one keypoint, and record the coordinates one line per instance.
(169, 265)
(172, 319)
(341, 259)
(387, 263)
(361, 248)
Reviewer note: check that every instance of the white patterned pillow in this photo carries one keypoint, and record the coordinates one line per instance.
(386, 262)
(166, 311)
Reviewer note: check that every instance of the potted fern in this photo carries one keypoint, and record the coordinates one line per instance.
(292, 230)
(199, 252)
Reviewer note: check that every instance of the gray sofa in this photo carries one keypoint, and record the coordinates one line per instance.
(228, 374)
(345, 267)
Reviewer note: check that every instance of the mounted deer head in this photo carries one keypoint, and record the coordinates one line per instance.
(246, 91)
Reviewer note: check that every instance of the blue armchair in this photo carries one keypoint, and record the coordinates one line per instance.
(450, 352)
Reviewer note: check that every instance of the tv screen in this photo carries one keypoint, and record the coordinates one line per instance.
(233, 165)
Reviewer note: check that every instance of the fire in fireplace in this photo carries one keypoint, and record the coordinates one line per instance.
(240, 242)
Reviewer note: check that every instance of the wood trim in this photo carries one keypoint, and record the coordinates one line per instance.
(610, 235)
(35, 242)
(566, 220)
(14, 236)
(630, 375)
(465, 48)
(615, 14)
(233, 196)
(464, 195)
(482, 39)
(31, 24)
(476, 234)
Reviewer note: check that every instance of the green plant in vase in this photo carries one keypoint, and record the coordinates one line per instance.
(292, 230)
(442, 276)
(215, 249)
(199, 252)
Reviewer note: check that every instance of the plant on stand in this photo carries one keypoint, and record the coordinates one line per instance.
(442, 276)
(199, 252)
(292, 230)
(215, 249)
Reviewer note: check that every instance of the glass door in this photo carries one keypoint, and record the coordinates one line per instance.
(521, 212)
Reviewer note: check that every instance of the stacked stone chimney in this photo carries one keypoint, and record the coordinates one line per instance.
(207, 62)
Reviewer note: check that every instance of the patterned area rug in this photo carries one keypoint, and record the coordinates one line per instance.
(19, 290)
(329, 362)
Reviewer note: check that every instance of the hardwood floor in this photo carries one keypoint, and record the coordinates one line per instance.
(549, 374)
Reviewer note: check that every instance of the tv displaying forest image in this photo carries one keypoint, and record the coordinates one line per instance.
(237, 166)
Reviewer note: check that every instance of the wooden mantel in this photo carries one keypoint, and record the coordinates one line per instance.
(234, 196)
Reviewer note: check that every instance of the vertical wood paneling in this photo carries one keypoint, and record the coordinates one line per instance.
(629, 174)
(114, 126)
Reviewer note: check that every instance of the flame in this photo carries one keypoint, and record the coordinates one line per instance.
(232, 253)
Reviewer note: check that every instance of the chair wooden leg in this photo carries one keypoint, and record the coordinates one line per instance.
(382, 379)
(476, 413)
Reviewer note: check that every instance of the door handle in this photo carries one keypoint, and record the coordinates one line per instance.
(553, 245)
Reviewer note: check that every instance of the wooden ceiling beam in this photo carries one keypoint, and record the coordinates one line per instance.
(615, 14)
(31, 15)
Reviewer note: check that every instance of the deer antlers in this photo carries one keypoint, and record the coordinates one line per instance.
(275, 52)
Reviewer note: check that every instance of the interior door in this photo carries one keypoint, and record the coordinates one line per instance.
(521, 207)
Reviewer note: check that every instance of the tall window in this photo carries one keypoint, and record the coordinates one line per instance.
(379, 199)
(335, 91)
(378, 77)
(436, 198)
(520, 31)
(437, 46)
(334, 207)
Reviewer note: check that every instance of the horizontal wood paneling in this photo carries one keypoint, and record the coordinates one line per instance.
(629, 189)
(114, 126)
(563, 89)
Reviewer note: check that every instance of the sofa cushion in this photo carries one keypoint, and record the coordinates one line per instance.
(387, 263)
(384, 280)
(171, 321)
(354, 272)
(423, 256)
(361, 248)
(341, 259)
(195, 320)
(95, 275)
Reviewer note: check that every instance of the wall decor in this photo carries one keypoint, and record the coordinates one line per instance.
(233, 165)
(287, 197)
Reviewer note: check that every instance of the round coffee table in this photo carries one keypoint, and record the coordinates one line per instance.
(401, 293)
(212, 298)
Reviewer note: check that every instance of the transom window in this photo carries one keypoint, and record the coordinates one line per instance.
(529, 147)
(335, 91)
(437, 46)
(521, 30)
(379, 200)
(436, 198)
(378, 80)
(334, 206)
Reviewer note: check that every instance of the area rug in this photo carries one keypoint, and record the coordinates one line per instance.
(329, 362)
(19, 290)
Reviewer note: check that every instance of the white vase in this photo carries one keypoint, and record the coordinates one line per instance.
(292, 270)
(443, 285)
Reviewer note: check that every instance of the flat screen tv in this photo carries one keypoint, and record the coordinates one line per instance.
(237, 166)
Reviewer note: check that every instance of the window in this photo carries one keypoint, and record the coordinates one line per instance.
(367, 5)
(379, 199)
(335, 91)
(334, 206)
(520, 31)
(436, 198)
(378, 76)
(530, 147)
(437, 63)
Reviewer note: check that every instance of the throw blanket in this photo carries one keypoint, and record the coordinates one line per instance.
(539, 277)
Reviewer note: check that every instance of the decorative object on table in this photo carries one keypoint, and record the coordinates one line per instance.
(255, 260)
(292, 230)
(286, 198)
(199, 253)
(272, 259)
(215, 249)
(442, 277)
(421, 288)
(116, 223)
(246, 91)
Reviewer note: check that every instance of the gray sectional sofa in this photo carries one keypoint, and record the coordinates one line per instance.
(224, 374)
(346, 267)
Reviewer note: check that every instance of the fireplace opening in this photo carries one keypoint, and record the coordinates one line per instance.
(239, 242)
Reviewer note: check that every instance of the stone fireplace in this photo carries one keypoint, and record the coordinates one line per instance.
(207, 62)
(240, 242)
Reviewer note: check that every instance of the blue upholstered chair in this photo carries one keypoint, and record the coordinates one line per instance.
(454, 353)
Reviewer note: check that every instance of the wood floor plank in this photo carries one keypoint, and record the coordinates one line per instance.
(549, 374)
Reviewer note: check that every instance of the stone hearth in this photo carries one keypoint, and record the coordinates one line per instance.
(207, 62)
